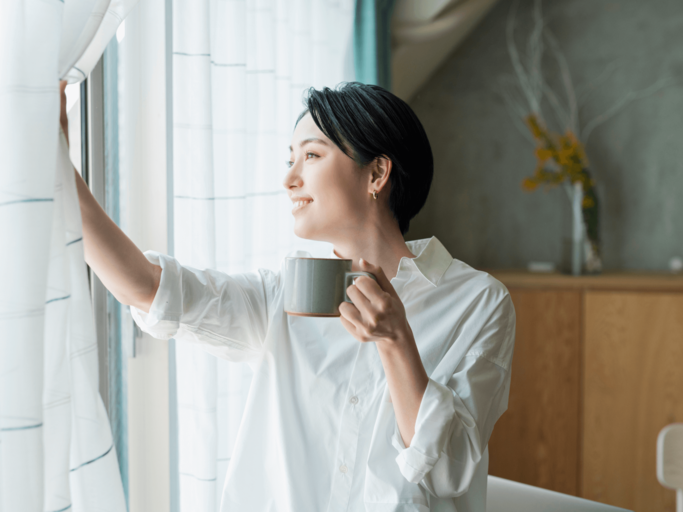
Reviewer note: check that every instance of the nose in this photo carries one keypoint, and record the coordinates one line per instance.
(292, 178)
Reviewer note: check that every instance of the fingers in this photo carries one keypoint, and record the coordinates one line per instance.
(353, 322)
(382, 279)
(350, 315)
(62, 96)
(63, 118)
(359, 297)
(370, 307)
(370, 290)
(376, 310)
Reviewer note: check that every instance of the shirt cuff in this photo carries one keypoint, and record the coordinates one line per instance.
(163, 319)
(432, 430)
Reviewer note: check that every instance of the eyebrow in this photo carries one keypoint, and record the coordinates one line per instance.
(310, 139)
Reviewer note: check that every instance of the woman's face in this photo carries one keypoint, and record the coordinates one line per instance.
(334, 189)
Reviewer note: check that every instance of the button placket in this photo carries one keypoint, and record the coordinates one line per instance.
(363, 380)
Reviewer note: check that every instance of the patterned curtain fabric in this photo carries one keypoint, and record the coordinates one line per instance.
(372, 41)
(56, 449)
(239, 71)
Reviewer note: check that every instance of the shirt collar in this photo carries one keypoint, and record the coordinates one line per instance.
(431, 258)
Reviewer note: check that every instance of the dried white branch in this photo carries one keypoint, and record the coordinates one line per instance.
(630, 97)
(583, 91)
(520, 126)
(572, 108)
(535, 54)
(522, 76)
(517, 109)
(560, 113)
(510, 90)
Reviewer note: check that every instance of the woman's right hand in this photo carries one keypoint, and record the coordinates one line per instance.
(116, 260)
(63, 118)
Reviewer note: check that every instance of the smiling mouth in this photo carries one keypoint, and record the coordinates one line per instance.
(299, 205)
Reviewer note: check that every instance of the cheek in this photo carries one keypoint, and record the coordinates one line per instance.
(340, 188)
(340, 201)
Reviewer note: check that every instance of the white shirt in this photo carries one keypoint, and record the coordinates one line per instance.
(319, 431)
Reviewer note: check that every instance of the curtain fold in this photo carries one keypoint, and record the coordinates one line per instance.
(372, 41)
(56, 448)
(239, 71)
(105, 18)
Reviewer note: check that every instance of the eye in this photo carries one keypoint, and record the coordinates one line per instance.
(289, 163)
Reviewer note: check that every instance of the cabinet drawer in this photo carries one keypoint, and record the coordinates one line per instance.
(536, 441)
(633, 387)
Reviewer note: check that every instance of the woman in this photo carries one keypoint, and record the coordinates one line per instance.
(397, 422)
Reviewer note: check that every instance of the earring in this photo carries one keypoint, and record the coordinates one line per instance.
(374, 194)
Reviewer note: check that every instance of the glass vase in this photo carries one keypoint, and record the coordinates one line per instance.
(585, 251)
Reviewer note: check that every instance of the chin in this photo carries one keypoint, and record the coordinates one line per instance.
(307, 232)
(300, 231)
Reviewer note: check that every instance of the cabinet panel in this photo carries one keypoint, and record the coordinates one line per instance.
(633, 387)
(536, 441)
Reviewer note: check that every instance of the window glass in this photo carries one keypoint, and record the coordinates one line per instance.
(119, 322)
(73, 109)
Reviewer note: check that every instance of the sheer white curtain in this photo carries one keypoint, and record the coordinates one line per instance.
(56, 449)
(239, 71)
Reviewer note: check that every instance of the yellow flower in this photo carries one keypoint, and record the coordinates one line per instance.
(529, 185)
(535, 127)
(543, 154)
(567, 154)
(574, 147)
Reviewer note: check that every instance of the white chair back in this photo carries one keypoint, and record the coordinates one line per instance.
(670, 460)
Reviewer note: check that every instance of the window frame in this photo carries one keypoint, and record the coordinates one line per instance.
(144, 420)
(99, 172)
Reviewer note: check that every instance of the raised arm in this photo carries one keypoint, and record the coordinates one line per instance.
(116, 260)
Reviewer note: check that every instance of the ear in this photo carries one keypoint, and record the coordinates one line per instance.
(380, 171)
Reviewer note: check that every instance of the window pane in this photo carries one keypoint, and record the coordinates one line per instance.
(120, 325)
(73, 110)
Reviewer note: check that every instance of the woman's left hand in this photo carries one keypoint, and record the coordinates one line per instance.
(377, 313)
(63, 117)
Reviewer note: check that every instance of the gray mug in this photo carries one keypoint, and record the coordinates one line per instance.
(317, 286)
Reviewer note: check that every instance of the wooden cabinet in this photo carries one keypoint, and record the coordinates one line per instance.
(536, 439)
(597, 373)
(633, 387)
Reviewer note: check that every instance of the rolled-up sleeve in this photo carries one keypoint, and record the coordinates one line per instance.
(227, 315)
(455, 419)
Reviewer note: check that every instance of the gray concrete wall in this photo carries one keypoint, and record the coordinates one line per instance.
(476, 206)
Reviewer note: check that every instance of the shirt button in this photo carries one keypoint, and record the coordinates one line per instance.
(354, 400)
(343, 468)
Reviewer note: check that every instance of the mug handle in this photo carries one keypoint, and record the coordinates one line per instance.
(351, 275)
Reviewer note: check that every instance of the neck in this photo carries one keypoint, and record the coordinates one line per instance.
(381, 247)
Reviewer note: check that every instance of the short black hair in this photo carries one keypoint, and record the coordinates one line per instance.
(370, 121)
